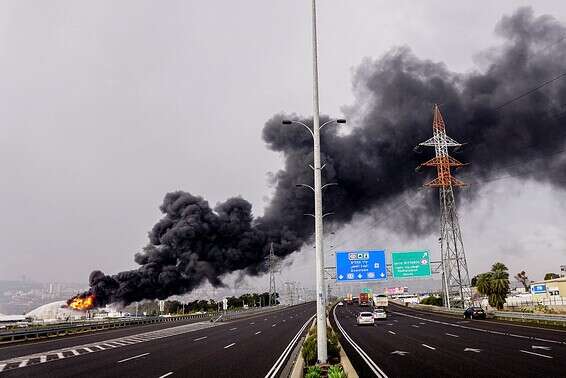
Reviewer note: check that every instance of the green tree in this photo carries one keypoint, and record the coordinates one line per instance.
(523, 279)
(551, 276)
(495, 285)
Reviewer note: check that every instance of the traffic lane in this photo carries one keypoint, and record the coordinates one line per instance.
(40, 346)
(252, 355)
(496, 353)
(158, 355)
(404, 346)
(383, 348)
(490, 325)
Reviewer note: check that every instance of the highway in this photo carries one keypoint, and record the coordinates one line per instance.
(248, 347)
(413, 343)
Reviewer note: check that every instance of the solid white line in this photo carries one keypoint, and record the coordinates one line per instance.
(166, 375)
(428, 346)
(451, 335)
(279, 363)
(200, 338)
(258, 332)
(229, 345)
(536, 354)
(391, 332)
(132, 358)
(372, 365)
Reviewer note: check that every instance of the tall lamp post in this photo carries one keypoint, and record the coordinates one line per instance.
(315, 133)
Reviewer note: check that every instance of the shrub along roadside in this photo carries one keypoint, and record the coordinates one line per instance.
(310, 348)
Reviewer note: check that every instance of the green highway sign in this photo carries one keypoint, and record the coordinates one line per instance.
(366, 290)
(410, 264)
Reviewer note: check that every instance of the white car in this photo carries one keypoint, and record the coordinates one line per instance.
(379, 313)
(365, 318)
(340, 304)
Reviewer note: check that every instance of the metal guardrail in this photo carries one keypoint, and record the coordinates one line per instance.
(48, 331)
(501, 315)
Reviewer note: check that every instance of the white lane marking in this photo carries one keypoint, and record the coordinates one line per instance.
(133, 358)
(23, 363)
(2, 366)
(265, 319)
(389, 324)
(414, 325)
(100, 347)
(540, 347)
(200, 338)
(229, 345)
(479, 329)
(88, 350)
(472, 350)
(535, 354)
(258, 332)
(428, 346)
(166, 375)
(75, 352)
(42, 359)
(60, 355)
(275, 368)
(400, 352)
(233, 329)
(372, 365)
(451, 335)
(391, 332)
(273, 325)
(252, 323)
(422, 323)
(284, 320)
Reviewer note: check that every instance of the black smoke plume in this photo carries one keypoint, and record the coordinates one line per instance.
(374, 162)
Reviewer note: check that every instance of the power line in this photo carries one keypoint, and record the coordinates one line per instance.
(530, 91)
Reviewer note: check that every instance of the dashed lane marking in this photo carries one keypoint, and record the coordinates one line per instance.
(391, 332)
(451, 335)
(133, 358)
(536, 354)
(258, 332)
(200, 338)
(428, 346)
(166, 374)
(233, 329)
(229, 345)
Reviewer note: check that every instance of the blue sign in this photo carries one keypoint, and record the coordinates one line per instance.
(538, 289)
(360, 266)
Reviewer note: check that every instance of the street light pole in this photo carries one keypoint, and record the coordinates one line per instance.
(319, 259)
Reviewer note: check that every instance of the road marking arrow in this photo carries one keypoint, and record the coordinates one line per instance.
(400, 352)
(472, 350)
(540, 347)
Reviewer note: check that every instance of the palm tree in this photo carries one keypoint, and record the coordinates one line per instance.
(495, 285)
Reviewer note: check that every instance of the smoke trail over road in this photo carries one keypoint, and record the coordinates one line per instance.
(374, 162)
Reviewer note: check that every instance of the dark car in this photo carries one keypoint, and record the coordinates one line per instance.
(474, 313)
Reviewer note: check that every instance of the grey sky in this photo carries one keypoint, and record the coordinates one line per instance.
(107, 105)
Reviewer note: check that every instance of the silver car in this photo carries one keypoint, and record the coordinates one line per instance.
(365, 318)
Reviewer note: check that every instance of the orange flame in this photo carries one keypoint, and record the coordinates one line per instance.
(82, 303)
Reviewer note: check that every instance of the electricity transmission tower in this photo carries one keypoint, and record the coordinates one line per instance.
(455, 277)
(272, 266)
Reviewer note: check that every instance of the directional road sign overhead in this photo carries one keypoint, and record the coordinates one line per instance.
(410, 264)
(354, 266)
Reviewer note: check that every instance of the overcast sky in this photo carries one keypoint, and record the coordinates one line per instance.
(107, 105)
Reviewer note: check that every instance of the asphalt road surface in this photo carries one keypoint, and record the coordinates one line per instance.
(411, 343)
(248, 347)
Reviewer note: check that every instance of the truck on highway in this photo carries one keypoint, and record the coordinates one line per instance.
(364, 299)
(380, 301)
